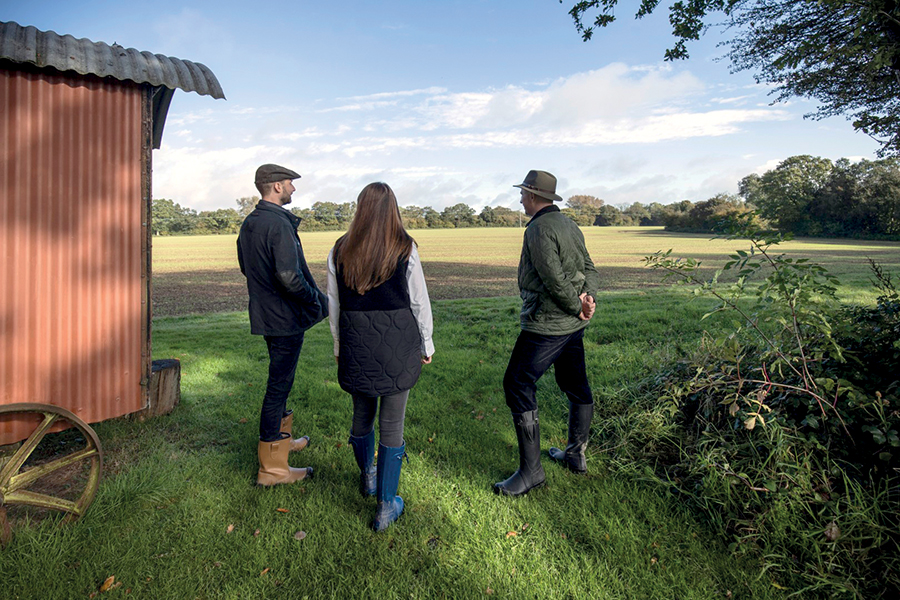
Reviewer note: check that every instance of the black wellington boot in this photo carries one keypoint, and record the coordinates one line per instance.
(530, 474)
(579, 431)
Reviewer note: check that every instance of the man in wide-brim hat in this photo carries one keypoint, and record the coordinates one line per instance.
(284, 303)
(558, 283)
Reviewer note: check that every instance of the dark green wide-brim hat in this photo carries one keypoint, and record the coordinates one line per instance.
(541, 183)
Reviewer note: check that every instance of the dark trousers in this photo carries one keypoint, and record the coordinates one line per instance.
(390, 418)
(284, 351)
(532, 356)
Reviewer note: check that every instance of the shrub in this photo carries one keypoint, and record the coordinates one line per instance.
(784, 431)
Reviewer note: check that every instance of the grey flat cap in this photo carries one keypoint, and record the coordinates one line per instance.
(270, 173)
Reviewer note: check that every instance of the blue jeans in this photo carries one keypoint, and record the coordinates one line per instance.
(284, 351)
(532, 356)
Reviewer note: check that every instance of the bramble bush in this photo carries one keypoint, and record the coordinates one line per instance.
(784, 430)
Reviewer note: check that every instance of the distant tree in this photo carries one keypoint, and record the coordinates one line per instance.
(657, 214)
(843, 53)
(222, 220)
(246, 205)
(413, 217)
(610, 215)
(785, 195)
(638, 213)
(169, 217)
(583, 209)
(433, 218)
(459, 215)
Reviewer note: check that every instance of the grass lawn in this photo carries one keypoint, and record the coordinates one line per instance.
(178, 516)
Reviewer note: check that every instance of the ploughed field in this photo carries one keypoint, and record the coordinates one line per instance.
(200, 274)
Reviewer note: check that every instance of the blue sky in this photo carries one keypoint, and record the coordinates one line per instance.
(447, 101)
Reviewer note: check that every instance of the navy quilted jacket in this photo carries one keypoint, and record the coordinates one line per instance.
(380, 344)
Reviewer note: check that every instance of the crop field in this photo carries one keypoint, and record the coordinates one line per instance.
(199, 274)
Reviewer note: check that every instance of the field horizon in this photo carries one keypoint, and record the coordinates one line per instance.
(200, 274)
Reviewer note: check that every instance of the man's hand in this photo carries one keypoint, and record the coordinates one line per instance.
(426, 360)
(587, 307)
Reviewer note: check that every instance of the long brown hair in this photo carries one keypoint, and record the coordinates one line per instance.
(375, 242)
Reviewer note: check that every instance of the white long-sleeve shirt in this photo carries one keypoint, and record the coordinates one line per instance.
(418, 301)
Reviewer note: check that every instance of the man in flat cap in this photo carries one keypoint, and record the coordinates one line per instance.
(557, 282)
(284, 303)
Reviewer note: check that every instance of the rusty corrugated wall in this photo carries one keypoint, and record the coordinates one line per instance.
(74, 252)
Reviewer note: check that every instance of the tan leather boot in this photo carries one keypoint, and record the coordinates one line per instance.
(273, 463)
(287, 423)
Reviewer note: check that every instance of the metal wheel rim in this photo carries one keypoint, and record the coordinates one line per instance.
(14, 483)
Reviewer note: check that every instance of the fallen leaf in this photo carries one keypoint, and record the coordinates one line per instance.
(230, 528)
(264, 571)
(108, 583)
(431, 440)
(92, 595)
(606, 536)
(339, 444)
(654, 545)
(282, 510)
(512, 534)
(654, 560)
(562, 535)
(299, 535)
(256, 533)
(480, 417)
(489, 591)
(242, 421)
(832, 532)
(215, 564)
(524, 526)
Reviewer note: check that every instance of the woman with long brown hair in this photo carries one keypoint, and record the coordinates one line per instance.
(380, 318)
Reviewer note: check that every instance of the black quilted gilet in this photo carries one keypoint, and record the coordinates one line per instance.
(380, 344)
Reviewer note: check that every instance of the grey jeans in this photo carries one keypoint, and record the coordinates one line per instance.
(390, 417)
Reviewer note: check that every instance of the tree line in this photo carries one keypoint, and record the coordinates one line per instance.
(804, 195)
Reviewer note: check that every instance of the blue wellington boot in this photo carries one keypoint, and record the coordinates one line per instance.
(364, 451)
(390, 505)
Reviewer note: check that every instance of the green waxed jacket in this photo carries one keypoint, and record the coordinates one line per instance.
(555, 268)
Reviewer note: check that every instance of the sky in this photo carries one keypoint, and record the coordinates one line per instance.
(448, 101)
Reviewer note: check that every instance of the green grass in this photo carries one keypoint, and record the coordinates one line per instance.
(174, 484)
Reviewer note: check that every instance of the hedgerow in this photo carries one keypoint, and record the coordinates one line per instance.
(784, 430)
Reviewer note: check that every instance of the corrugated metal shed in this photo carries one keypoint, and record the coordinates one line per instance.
(77, 120)
(65, 53)
(28, 45)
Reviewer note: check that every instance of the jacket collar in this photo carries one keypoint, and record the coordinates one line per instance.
(543, 211)
(280, 211)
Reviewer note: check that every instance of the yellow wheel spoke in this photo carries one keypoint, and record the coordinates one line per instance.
(23, 480)
(41, 500)
(28, 446)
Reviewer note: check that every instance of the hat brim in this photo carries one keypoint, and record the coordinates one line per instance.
(541, 193)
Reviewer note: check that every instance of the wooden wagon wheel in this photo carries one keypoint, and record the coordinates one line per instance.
(15, 481)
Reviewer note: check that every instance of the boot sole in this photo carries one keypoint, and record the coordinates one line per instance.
(501, 491)
(309, 474)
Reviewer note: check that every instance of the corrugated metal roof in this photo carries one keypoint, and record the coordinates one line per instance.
(63, 52)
